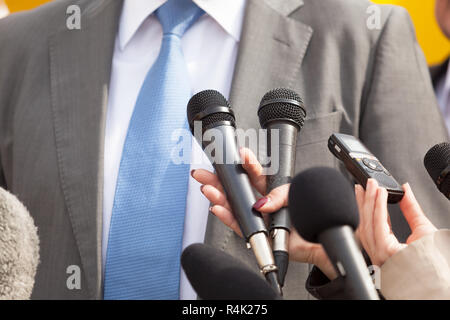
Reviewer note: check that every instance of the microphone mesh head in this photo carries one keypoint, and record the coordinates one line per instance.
(203, 100)
(319, 199)
(282, 110)
(435, 161)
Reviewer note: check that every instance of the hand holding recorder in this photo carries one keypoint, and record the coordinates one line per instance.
(418, 269)
(375, 230)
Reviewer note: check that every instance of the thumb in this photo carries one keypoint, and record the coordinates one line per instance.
(274, 200)
(412, 211)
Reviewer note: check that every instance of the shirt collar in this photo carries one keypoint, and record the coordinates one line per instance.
(228, 14)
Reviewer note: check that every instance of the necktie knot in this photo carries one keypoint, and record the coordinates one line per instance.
(177, 16)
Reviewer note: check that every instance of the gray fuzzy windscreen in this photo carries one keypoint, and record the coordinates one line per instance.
(19, 249)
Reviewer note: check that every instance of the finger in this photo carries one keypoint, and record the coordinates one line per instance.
(207, 178)
(254, 170)
(382, 230)
(274, 201)
(367, 213)
(302, 251)
(359, 195)
(412, 211)
(389, 222)
(299, 248)
(215, 196)
(226, 217)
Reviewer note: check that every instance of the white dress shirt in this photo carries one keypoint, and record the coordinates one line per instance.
(443, 96)
(3, 9)
(210, 48)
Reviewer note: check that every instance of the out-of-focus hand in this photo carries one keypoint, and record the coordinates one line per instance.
(299, 249)
(375, 231)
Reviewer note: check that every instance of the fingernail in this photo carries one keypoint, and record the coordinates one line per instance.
(192, 173)
(407, 187)
(260, 203)
(201, 188)
(210, 211)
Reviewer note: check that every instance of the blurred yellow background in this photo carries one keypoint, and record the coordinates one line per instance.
(433, 42)
(435, 45)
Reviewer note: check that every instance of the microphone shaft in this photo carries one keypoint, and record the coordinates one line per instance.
(347, 259)
(240, 194)
(236, 183)
(280, 221)
(286, 158)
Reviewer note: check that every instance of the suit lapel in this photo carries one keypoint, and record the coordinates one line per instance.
(271, 51)
(270, 55)
(80, 62)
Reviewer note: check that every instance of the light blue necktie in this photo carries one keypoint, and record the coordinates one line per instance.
(144, 246)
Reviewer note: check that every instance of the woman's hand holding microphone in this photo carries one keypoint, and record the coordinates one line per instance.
(374, 230)
(299, 249)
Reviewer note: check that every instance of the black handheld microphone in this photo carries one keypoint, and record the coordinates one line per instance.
(323, 209)
(281, 110)
(212, 122)
(216, 275)
(437, 163)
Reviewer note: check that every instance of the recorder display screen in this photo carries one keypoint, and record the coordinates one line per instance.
(354, 145)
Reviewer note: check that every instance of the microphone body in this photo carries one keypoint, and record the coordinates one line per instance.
(281, 110)
(280, 224)
(288, 140)
(216, 275)
(236, 183)
(323, 209)
(437, 163)
(341, 248)
(210, 109)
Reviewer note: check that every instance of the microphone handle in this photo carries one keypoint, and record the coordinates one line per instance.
(286, 159)
(235, 180)
(280, 224)
(348, 261)
(240, 195)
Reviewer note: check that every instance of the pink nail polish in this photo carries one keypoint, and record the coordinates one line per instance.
(260, 203)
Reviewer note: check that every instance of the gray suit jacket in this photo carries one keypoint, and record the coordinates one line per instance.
(54, 82)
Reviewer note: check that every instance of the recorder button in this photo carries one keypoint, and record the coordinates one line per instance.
(370, 163)
(379, 168)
